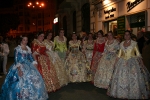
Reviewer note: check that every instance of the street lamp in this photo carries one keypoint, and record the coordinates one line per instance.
(37, 5)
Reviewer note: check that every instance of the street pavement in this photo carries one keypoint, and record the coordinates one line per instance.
(73, 91)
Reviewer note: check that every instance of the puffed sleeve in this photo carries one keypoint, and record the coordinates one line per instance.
(34, 48)
(17, 58)
(137, 51)
(30, 57)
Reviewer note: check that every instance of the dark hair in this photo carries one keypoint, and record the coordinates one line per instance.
(111, 33)
(128, 32)
(61, 30)
(39, 33)
(101, 32)
(20, 39)
(90, 34)
(47, 33)
(147, 35)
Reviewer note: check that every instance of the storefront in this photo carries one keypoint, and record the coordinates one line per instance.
(120, 15)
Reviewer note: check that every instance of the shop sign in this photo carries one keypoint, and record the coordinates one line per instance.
(109, 11)
(130, 5)
(121, 25)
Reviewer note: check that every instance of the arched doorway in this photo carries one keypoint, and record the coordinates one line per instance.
(86, 17)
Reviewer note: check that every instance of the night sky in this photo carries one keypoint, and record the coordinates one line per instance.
(6, 3)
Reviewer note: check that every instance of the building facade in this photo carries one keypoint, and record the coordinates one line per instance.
(74, 16)
(119, 15)
(35, 18)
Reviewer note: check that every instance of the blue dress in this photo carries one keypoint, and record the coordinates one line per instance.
(29, 86)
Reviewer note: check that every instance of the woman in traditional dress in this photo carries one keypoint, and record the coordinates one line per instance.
(97, 52)
(106, 65)
(23, 81)
(60, 43)
(76, 62)
(58, 64)
(88, 47)
(130, 79)
(45, 66)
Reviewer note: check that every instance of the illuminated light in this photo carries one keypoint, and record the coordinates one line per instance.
(55, 20)
(37, 3)
(33, 6)
(39, 6)
(42, 4)
(106, 2)
(30, 3)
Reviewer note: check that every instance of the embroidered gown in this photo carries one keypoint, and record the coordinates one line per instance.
(29, 86)
(88, 48)
(106, 65)
(45, 66)
(61, 47)
(57, 62)
(130, 79)
(76, 63)
(97, 53)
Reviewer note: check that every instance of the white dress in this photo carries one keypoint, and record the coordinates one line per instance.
(106, 65)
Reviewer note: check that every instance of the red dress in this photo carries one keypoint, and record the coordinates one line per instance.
(45, 67)
(98, 50)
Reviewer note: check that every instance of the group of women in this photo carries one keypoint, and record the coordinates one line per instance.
(48, 66)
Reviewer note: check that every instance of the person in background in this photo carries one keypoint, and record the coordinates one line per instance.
(55, 59)
(140, 40)
(45, 65)
(106, 64)
(97, 52)
(60, 45)
(130, 79)
(88, 47)
(5, 52)
(133, 36)
(1, 56)
(146, 50)
(23, 81)
(76, 64)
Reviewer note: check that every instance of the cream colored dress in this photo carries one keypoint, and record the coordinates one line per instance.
(76, 63)
(57, 62)
(106, 65)
(88, 49)
(130, 79)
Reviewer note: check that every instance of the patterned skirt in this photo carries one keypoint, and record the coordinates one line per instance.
(48, 72)
(130, 80)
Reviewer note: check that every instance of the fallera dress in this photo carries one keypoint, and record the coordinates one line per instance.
(29, 86)
(88, 47)
(57, 62)
(76, 63)
(130, 79)
(97, 53)
(60, 47)
(106, 65)
(45, 66)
